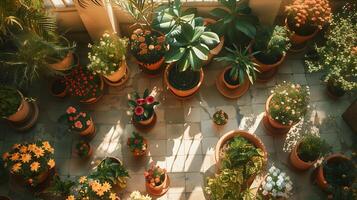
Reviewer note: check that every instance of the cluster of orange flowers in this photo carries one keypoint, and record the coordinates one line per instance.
(316, 12)
(25, 158)
(146, 41)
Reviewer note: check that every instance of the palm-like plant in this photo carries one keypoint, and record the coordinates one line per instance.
(241, 63)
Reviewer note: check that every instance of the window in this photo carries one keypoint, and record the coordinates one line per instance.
(58, 3)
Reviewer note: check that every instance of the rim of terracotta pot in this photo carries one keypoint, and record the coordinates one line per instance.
(231, 134)
(173, 89)
(262, 65)
(219, 46)
(294, 154)
(306, 37)
(269, 116)
(232, 87)
(20, 106)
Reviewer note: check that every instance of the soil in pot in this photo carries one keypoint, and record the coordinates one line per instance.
(339, 173)
(58, 86)
(335, 91)
(266, 58)
(229, 80)
(183, 80)
(304, 30)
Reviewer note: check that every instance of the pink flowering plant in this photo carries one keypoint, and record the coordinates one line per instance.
(143, 107)
(76, 119)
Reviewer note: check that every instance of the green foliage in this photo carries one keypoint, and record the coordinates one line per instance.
(243, 155)
(289, 103)
(83, 148)
(220, 117)
(312, 147)
(272, 42)
(340, 173)
(145, 104)
(60, 188)
(233, 20)
(136, 143)
(10, 101)
(241, 63)
(337, 58)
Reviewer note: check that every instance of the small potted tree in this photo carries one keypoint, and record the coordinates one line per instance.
(143, 108)
(107, 57)
(83, 149)
(238, 75)
(137, 144)
(276, 185)
(271, 45)
(30, 163)
(285, 107)
(337, 58)
(156, 181)
(78, 121)
(305, 18)
(306, 152)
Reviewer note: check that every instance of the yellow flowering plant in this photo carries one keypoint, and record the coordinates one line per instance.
(30, 160)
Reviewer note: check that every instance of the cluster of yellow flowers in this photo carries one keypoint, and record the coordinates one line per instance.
(25, 157)
(316, 12)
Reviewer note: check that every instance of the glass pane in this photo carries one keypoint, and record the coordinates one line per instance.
(69, 2)
(58, 3)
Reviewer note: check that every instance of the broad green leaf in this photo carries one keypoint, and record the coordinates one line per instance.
(174, 55)
(194, 60)
(197, 33)
(188, 18)
(219, 13)
(247, 28)
(210, 38)
(146, 93)
(132, 103)
(201, 51)
(187, 31)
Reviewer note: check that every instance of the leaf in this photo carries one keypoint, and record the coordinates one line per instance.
(194, 60)
(210, 38)
(247, 28)
(188, 18)
(187, 31)
(184, 63)
(146, 93)
(132, 103)
(201, 51)
(174, 55)
(197, 33)
(219, 13)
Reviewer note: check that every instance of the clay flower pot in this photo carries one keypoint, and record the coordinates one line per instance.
(300, 39)
(228, 85)
(215, 51)
(89, 131)
(152, 66)
(64, 64)
(273, 126)
(297, 162)
(263, 67)
(119, 74)
(95, 99)
(22, 112)
(320, 177)
(158, 190)
(59, 88)
(90, 151)
(178, 92)
(41, 178)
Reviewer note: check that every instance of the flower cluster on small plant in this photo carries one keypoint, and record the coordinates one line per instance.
(10, 101)
(83, 84)
(29, 160)
(143, 107)
(107, 54)
(136, 195)
(220, 117)
(289, 103)
(83, 149)
(277, 184)
(313, 12)
(155, 175)
(147, 46)
(76, 119)
(137, 144)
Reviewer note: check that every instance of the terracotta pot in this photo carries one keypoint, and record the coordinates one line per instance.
(299, 39)
(89, 130)
(90, 152)
(157, 190)
(119, 74)
(178, 92)
(297, 162)
(60, 94)
(142, 153)
(232, 87)
(39, 178)
(94, 99)
(262, 67)
(320, 178)
(215, 51)
(333, 91)
(153, 66)
(272, 121)
(64, 64)
(148, 121)
(116, 186)
(22, 112)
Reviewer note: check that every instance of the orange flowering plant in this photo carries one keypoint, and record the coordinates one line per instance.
(30, 160)
(155, 175)
(309, 13)
(147, 46)
(76, 119)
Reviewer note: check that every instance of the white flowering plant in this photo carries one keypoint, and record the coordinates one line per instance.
(289, 103)
(276, 184)
(107, 54)
(136, 195)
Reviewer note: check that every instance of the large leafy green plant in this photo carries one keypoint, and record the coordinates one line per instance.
(241, 63)
(233, 20)
(190, 48)
(10, 100)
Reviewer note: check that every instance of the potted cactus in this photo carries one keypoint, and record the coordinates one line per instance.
(220, 118)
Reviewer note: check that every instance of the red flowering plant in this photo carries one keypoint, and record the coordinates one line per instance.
(143, 107)
(147, 46)
(155, 175)
(137, 144)
(83, 84)
(76, 119)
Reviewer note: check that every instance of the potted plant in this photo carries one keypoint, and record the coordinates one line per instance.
(243, 151)
(234, 21)
(30, 163)
(107, 57)
(271, 45)
(307, 151)
(137, 144)
(305, 18)
(156, 180)
(84, 85)
(276, 185)
(240, 72)
(14, 107)
(285, 107)
(61, 54)
(336, 171)
(91, 188)
(59, 87)
(336, 58)
(136, 195)
(83, 149)
(143, 108)
(112, 170)
(58, 190)
(78, 121)
(220, 118)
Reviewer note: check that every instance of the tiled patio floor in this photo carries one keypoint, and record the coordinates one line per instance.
(183, 139)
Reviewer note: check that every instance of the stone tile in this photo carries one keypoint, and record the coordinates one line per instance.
(299, 78)
(157, 132)
(208, 129)
(192, 114)
(246, 99)
(193, 147)
(157, 147)
(175, 163)
(230, 110)
(175, 115)
(259, 96)
(175, 147)
(333, 139)
(317, 93)
(136, 183)
(195, 195)
(177, 183)
(194, 182)
(207, 112)
(193, 163)
(175, 131)
(177, 196)
(192, 131)
(209, 145)
(209, 163)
